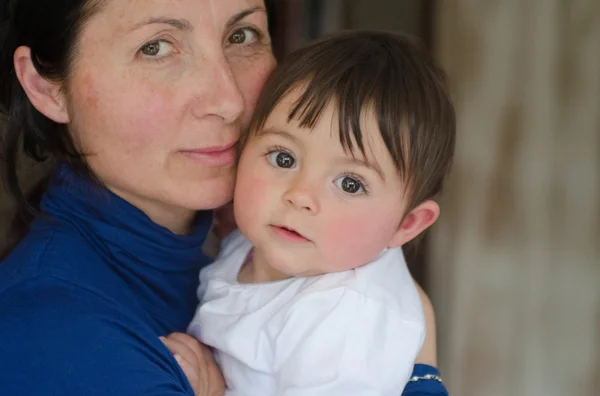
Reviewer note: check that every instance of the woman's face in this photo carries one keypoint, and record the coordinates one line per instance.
(159, 92)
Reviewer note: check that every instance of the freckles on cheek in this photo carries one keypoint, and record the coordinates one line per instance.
(120, 114)
(89, 93)
(155, 97)
(148, 116)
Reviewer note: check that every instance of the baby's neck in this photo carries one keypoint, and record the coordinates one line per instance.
(256, 269)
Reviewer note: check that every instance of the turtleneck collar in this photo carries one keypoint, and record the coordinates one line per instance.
(72, 197)
(159, 266)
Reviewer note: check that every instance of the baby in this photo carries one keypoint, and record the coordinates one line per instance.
(350, 144)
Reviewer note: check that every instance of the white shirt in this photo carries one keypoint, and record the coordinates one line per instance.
(356, 332)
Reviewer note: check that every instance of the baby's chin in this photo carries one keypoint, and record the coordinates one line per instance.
(284, 262)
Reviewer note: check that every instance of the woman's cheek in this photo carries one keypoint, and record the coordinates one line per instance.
(135, 115)
(152, 112)
(251, 82)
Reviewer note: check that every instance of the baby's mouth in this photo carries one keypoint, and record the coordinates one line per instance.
(289, 234)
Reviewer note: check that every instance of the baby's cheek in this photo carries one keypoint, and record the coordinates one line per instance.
(350, 242)
(250, 199)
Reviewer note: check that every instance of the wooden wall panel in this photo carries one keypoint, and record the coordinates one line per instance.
(515, 258)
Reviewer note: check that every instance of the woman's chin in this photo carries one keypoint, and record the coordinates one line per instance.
(210, 194)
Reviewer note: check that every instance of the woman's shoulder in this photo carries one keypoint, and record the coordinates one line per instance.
(38, 307)
(68, 321)
(49, 262)
(71, 339)
(43, 272)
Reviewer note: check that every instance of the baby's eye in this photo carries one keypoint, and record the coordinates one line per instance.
(281, 159)
(349, 185)
(157, 49)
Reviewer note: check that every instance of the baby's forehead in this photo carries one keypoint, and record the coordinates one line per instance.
(354, 126)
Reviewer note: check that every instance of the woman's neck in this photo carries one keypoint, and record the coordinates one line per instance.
(178, 220)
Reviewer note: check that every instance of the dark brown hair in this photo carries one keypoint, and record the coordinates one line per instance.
(51, 30)
(390, 74)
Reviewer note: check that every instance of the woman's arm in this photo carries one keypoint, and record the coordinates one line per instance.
(428, 353)
(60, 339)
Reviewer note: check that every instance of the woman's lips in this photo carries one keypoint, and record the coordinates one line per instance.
(213, 156)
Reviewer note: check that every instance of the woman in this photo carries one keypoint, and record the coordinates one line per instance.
(141, 103)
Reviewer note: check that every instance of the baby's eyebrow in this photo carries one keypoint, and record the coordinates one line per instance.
(373, 165)
(280, 132)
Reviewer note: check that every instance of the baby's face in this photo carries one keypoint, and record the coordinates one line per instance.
(309, 207)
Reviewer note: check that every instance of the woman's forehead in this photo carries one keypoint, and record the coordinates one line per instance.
(123, 16)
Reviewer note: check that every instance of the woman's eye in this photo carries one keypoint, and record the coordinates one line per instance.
(158, 49)
(281, 159)
(349, 185)
(243, 36)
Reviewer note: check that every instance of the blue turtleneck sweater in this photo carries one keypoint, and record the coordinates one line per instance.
(85, 296)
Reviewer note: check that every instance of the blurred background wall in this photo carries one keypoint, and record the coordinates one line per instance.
(515, 259)
(513, 265)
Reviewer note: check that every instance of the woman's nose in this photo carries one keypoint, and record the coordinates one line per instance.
(218, 93)
(303, 197)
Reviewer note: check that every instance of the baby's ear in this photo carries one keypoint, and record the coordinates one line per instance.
(415, 222)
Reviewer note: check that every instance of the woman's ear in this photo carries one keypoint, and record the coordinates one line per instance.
(46, 96)
(415, 222)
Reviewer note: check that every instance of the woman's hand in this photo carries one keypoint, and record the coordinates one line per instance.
(428, 353)
(197, 362)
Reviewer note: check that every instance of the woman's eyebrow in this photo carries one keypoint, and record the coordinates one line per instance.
(243, 14)
(184, 24)
(180, 24)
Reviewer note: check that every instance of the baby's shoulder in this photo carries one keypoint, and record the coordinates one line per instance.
(321, 312)
(383, 286)
(337, 294)
(387, 279)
